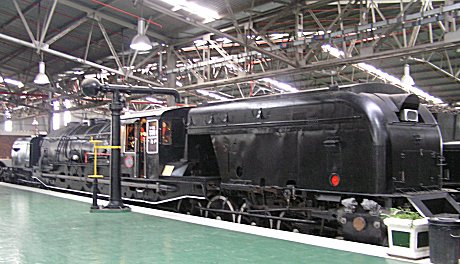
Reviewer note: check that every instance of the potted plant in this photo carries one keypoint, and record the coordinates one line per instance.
(407, 234)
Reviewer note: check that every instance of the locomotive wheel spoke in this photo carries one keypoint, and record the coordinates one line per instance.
(253, 220)
(220, 203)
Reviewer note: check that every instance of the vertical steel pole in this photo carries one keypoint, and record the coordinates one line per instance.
(94, 206)
(115, 201)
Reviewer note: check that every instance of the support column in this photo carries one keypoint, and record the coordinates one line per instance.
(171, 64)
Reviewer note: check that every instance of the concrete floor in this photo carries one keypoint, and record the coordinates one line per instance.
(38, 227)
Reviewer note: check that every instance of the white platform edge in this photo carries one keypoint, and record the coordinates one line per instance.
(349, 246)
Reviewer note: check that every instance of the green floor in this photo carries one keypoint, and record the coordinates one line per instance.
(37, 228)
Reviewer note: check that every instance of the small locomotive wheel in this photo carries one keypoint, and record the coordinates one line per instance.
(220, 202)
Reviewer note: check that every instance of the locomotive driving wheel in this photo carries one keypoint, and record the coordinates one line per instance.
(254, 220)
(189, 207)
(223, 208)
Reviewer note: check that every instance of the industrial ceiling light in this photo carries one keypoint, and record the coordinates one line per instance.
(406, 78)
(41, 77)
(141, 41)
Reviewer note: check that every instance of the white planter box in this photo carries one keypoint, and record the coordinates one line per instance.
(408, 238)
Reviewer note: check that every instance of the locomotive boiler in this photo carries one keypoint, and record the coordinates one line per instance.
(325, 162)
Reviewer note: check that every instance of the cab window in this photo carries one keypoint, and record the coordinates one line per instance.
(166, 133)
(130, 138)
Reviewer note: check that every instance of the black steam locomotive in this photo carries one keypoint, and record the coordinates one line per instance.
(324, 162)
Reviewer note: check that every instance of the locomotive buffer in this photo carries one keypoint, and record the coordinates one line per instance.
(92, 88)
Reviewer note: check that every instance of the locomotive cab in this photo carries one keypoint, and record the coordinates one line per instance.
(152, 139)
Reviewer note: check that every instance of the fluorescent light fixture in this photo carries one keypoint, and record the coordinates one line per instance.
(179, 84)
(275, 36)
(141, 41)
(321, 32)
(56, 116)
(333, 51)
(8, 125)
(386, 77)
(41, 77)
(211, 95)
(209, 15)
(14, 82)
(283, 86)
(11, 81)
(200, 42)
(56, 121)
(67, 115)
(56, 105)
(224, 40)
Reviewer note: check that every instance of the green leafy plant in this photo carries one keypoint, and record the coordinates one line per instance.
(404, 214)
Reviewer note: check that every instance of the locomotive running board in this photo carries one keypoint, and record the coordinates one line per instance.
(434, 204)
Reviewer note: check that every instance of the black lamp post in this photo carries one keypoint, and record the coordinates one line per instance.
(115, 201)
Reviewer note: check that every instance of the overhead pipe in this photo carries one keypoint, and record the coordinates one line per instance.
(45, 48)
(92, 87)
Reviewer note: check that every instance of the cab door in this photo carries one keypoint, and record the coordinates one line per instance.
(141, 151)
(151, 153)
(134, 147)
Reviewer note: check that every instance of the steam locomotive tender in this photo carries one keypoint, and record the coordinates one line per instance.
(325, 162)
